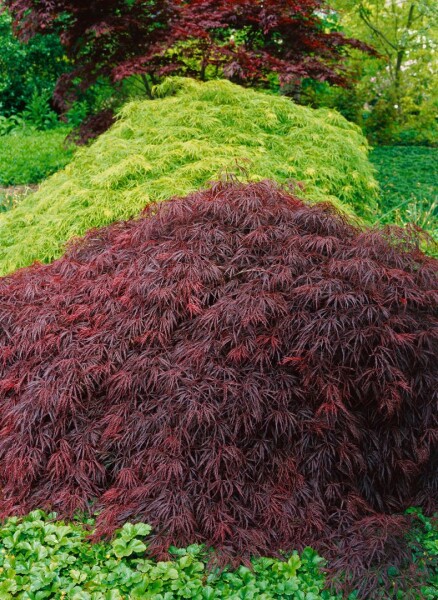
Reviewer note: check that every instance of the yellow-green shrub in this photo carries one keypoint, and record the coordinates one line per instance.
(174, 145)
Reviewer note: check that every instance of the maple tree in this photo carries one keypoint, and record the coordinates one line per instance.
(102, 38)
(236, 368)
(251, 40)
(193, 134)
(244, 40)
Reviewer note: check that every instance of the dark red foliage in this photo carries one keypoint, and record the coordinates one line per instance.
(236, 368)
(100, 37)
(92, 127)
(287, 37)
(245, 39)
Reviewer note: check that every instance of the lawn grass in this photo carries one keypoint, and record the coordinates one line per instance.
(28, 156)
(408, 177)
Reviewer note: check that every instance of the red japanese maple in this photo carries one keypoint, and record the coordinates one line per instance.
(236, 368)
(100, 37)
(251, 39)
(245, 40)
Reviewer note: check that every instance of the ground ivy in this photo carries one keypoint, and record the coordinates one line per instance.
(43, 558)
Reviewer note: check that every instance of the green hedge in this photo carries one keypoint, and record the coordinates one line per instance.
(29, 156)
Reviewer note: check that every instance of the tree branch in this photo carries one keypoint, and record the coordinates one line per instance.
(373, 28)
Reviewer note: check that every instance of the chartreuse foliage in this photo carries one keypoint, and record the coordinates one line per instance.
(43, 558)
(174, 145)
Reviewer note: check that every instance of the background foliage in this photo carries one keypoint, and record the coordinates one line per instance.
(245, 40)
(408, 178)
(27, 70)
(28, 156)
(395, 95)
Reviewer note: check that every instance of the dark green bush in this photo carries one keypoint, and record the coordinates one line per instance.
(29, 156)
(26, 69)
(408, 178)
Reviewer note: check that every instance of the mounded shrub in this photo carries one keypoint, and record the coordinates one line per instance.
(236, 368)
(174, 145)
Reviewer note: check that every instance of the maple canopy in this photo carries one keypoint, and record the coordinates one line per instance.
(246, 41)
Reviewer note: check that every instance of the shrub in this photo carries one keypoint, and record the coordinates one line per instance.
(236, 368)
(176, 144)
(39, 114)
(28, 68)
(28, 156)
